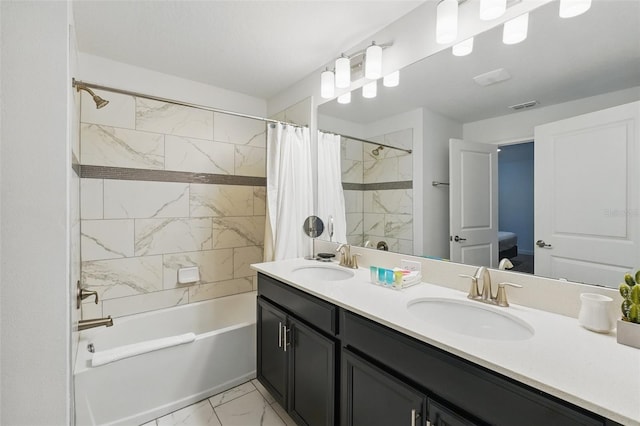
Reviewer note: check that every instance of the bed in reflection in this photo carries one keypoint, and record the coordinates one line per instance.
(507, 244)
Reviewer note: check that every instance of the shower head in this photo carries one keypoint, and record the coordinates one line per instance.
(376, 151)
(97, 99)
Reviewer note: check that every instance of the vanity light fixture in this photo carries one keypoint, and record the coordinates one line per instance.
(391, 80)
(492, 9)
(516, 29)
(571, 8)
(370, 90)
(446, 21)
(327, 84)
(345, 98)
(343, 72)
(463, 48)
(373, 62)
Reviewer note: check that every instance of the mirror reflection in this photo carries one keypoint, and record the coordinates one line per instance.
(565, 68)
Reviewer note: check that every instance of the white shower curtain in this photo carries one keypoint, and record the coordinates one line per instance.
(289, 191)
(330, 193)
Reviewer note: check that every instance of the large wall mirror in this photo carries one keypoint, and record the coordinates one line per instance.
(569, 67)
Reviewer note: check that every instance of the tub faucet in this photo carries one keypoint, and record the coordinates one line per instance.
(95, 322)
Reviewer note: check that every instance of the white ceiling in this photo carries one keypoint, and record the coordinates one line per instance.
(561, 60)
(258, 48)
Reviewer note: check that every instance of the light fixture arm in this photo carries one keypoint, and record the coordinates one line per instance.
(359, 53)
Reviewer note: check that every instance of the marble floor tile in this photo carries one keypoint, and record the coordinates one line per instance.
(264, 392)
(283, 414)
(250, 409)
(199, 414)
(151, 423)
(232, 394)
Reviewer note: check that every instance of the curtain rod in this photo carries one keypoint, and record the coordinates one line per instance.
(408, 151)
(76, 83)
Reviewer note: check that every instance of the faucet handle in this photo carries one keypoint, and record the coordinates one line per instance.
(501, 298)
(473, 290)
(83, 293)
(354, 260)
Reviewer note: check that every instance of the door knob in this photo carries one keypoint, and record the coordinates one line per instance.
(458, 239)
(542, 244)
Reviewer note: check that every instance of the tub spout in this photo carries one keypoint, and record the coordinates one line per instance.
(95, 322)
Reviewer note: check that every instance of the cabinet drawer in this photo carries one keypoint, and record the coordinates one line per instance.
(491, 397)
(321, 314)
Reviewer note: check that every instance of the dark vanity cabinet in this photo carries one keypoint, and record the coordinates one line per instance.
(460, 392)
(297, 351)
(371, 396)
(364, 373)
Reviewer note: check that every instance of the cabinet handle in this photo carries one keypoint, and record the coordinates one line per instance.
(286, 342)
(279, 334)
(414, 416)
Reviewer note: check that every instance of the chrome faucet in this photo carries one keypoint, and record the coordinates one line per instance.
(486, 295)
(95, 322)
(346, 259)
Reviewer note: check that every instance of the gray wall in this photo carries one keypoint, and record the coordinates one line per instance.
(35, 172)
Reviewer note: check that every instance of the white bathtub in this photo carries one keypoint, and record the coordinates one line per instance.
(140, 388)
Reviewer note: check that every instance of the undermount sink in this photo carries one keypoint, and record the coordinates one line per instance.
(470, 318)
(322, 273)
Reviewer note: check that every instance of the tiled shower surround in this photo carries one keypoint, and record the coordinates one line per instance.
(378, 191)
(164, 187)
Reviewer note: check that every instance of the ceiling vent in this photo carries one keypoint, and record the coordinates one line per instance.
(492, 77)
(524, 105)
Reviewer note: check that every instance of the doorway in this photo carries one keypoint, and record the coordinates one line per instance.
(516, 205)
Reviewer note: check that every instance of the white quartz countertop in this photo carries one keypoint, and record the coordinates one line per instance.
(563, 359)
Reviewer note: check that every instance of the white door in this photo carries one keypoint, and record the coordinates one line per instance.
(587, 189)
(473, 203)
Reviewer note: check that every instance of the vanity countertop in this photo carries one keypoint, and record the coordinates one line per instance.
(563, 359)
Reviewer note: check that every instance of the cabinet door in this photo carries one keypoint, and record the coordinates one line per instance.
(272, 359)
(371, 396)
(442, 416)
(312, 375)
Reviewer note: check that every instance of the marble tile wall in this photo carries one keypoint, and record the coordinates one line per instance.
(375, 214)
(136, 234)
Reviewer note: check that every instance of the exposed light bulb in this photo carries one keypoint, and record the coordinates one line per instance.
(370, 90)
(343, 72)
(463, 48)
(446, 21)
(571, 8)
(492, 9)
(373, 62)
(327, 84)
(516, 29)
(345, 98)
(391, 80)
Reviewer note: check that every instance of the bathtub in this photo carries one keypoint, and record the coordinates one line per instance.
(140, 388)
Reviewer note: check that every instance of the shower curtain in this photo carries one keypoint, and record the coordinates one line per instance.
(289, 191)
(330, 193)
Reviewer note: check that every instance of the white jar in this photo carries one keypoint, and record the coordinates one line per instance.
(594, 312)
